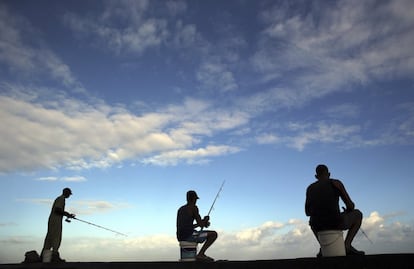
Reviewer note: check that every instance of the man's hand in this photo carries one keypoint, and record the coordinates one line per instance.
(206, 221)
(69, 215)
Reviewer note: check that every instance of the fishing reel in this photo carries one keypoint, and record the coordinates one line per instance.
(68, 220)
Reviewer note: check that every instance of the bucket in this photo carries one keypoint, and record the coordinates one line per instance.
(47, 255)
(332, 243)
(188, 251)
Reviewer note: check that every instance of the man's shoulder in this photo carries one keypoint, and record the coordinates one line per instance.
(189, 207)
(336, 182)
(60, 200)
(312, 184)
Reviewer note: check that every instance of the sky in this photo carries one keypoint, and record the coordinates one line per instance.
(133, 103)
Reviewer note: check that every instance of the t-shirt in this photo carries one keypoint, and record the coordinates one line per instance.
(184, 223)
(322, 203)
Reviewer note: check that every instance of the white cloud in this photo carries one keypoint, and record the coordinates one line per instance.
(70, 179)
(91, 207)
(322, 133)
(267, 139)
(138, 31)
(62, 132)
(74, 179)
(48, 179)
(216, 76)
(336, 45)
(299, 135)
(189, 156)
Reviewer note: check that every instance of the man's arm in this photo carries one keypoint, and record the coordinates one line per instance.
(307, 203)
(344, 194)
(59, 211)
(200, 222)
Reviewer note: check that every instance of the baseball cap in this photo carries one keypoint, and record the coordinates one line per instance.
(191, 195)
(67, 190)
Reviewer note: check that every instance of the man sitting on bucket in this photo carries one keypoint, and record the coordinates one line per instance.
(322, 205)
(186, 226)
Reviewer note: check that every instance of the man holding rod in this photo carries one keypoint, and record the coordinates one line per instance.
(186, 226)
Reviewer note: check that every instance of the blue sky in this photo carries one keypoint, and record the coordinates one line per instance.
(133, 103)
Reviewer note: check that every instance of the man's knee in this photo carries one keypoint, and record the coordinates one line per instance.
(212, 235)
(358, 214)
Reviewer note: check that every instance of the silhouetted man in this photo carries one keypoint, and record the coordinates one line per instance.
(54, 227)
(186, 226)
(322, 205)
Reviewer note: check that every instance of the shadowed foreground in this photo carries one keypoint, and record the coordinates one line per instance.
(383, 261)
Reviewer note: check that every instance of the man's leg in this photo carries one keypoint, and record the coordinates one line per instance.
(352, 221)
(211, 237)
(319, 254)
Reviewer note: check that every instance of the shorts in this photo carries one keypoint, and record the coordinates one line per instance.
(198, 237)
(344, 221)
(349, 218)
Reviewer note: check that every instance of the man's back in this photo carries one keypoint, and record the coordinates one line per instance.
(185, 221)
(322, 204)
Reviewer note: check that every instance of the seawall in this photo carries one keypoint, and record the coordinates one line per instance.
(381, 261)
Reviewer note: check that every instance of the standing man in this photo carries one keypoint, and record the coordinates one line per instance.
(185, 226)
(54, 227)
(322, 205)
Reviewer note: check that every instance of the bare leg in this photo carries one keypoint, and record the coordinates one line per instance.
(211, 237)
(353, 229)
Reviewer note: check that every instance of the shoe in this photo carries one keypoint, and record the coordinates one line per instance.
(56, 258)
(204, 258)
(354, 251)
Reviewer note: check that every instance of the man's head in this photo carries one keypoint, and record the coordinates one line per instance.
(67, 192)
(322, 172)
(192, 196)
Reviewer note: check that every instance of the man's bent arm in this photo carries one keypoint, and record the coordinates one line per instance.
(344, 194)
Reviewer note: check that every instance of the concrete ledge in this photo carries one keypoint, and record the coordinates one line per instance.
(382, 261)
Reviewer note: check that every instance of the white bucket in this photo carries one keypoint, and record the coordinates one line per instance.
(188, 251)
(47, 255)
(332, 243)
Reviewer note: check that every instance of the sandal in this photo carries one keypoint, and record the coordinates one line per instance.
(204, 258)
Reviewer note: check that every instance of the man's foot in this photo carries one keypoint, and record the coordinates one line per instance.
(354, 251)
(56, 258)
(205, 258)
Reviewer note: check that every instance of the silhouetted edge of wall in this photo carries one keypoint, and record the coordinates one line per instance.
(381, 261)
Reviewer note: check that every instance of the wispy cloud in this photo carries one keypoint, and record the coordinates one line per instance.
(188, 156)
(216, 76)
(92, 207)
(77, 135)
(70, 179)
(26, 57)
(333, 50)
(5, 224)
(139, 31)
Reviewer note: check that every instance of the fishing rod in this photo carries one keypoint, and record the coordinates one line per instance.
(96, 225)
(218, 193)
(365, 235)
(360, 228)
(215, 199)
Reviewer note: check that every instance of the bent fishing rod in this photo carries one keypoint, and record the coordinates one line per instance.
(215, 199)
(96, 225)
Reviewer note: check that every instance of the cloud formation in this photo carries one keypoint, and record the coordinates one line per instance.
(47, 127)
(69, 133)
